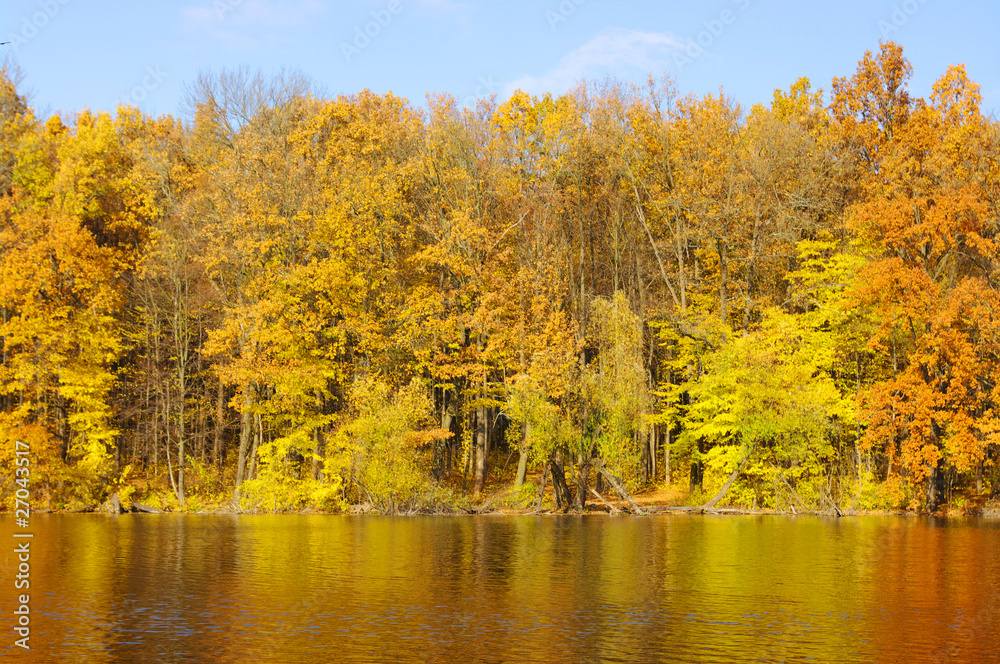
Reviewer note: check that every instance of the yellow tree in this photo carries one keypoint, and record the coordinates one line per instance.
(256, 223)
(353, 291)
(451, 318)
(535, 335)
(76, 222)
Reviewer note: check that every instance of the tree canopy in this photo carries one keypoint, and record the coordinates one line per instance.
(284, 300)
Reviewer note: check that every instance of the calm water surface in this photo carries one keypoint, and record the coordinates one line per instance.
(180, 588)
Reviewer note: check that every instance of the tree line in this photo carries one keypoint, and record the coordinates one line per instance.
(287, 300)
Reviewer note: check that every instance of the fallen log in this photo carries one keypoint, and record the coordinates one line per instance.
(700, 509)
(614, 510)
(729, 483)
(139, 507)
(616, 484)
(675, 508)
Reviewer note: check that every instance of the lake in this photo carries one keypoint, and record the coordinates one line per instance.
(667, 588)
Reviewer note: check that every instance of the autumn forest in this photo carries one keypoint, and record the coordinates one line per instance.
(281, 301)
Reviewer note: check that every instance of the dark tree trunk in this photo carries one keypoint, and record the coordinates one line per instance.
(935, 486)
(723, 279)
(583, 470)
(219, 423)
(559, 486)
(482, 449)
(698, 467)
(318, 454)
(257, 441)
(666, 456)
(645, 461)
(653, 440)
(246, 430)
(522, 462)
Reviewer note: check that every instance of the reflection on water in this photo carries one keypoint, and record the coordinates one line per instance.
(173, 588)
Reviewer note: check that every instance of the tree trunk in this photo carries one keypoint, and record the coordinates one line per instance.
(522, 462)
(182, 346)
(180, 472)
(156, 436)
(582, 471)
(181, 430)
(202, 430)
(166, 427)
(729, 483)
(541, 488)
(698, 468)
(616, 484)
(468, 452)
(170, 471)
(219, 414)
(258, 439)
(448, 414)
(246, 429)
(723, 278)
(559, 487)
(318, 448)
(522, 469)
(653, 433)
(935, 486)
(681, 269)
(666, 456)
(481, 450)
(645, 463)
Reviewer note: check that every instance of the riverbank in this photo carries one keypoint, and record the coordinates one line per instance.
(647, 502)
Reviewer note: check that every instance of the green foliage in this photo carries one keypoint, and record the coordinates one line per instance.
(616, 384)
(891, 494)
(386, 440)
(515, 498)
(123, 488)
(549, 427)
(283, 494)
(766, 395)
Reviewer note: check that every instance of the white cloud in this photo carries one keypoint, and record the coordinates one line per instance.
(615, 51)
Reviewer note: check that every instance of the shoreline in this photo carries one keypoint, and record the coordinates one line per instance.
(990, 512)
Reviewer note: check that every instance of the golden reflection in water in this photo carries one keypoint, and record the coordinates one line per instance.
(218, 588)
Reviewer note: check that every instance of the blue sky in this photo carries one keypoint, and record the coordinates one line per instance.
(97, 53)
